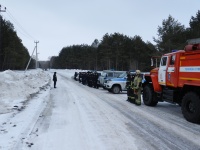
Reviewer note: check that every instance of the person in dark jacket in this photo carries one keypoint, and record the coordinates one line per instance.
(132, 96)
(128, 83)
(54, 79)
(75, 75)
(138, 87)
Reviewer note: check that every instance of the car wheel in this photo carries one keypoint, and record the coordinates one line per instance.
(116, 89)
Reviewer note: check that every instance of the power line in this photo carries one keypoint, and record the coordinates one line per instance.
(21, 29)
(22, 32)
(19, 25)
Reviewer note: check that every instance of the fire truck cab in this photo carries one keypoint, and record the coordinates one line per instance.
(176, 80)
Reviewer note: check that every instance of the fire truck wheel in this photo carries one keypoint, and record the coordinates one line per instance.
(148, 96)
(190, 107)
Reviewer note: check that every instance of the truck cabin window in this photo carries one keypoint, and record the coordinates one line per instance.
(164, 61)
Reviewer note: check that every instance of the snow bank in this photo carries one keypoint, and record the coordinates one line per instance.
(16, 87)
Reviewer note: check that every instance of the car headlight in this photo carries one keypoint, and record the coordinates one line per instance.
(109, 80)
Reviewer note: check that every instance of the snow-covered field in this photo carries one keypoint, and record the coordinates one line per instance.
(34, 115)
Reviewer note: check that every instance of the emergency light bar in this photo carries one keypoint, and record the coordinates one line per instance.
(174, 50)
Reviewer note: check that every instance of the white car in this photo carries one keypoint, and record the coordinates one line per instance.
(108, 74)
(117, 85)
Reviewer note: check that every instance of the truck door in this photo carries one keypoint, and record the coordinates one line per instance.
(171, 72)
(162, 71)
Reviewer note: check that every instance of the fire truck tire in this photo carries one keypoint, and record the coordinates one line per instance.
(148, 96)
(190, 107)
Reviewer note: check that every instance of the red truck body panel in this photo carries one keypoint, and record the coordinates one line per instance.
(185, 70)
(189, 68)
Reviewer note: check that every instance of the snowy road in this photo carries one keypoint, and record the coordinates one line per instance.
(77, 117)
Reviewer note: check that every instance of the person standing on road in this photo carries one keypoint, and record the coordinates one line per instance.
(128, 83)
(131, 92)
(96, 75)
(137, 87)
(54, 79)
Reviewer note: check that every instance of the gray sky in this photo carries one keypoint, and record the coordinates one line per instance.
(61, 23)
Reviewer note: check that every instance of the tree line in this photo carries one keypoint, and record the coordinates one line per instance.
(13, 54)
(120, 52)
(115, 51)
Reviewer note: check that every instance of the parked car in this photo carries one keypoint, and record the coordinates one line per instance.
(108, 74)
(117, 85)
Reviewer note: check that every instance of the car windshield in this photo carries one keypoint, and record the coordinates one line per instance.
(122, 75)
(104, 74)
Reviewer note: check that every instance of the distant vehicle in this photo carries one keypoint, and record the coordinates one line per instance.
(108, 74)
(117, 85)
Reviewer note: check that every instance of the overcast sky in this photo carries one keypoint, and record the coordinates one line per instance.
(62, 23)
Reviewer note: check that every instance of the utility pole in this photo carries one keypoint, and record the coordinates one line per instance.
(30, 59)
(36, 59)
(1, 52)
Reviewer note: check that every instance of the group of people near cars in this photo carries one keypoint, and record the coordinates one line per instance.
(134, 87)
(88, 78)
(133, 84)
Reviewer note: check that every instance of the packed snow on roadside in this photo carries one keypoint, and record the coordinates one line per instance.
(23, 97)
(17, 88)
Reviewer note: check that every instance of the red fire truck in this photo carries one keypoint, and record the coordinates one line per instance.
(176, 80)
